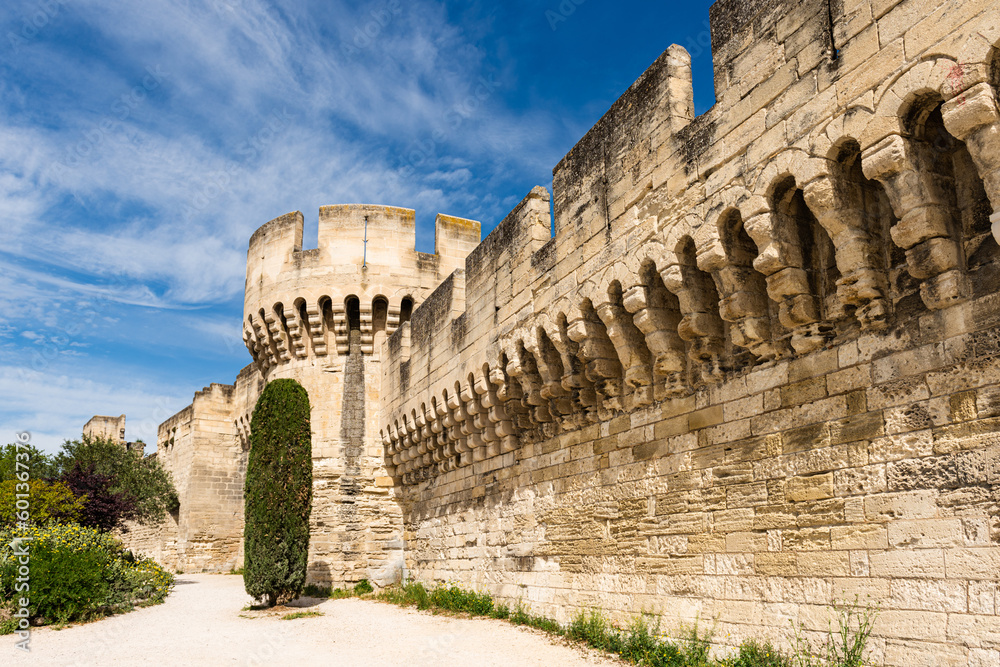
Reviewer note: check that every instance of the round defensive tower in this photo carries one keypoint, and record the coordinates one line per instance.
(320, 317)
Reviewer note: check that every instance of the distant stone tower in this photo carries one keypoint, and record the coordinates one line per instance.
(320, 316)
(102, 426)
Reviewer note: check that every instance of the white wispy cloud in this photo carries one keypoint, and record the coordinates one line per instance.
(172, 129)
(205, 185)
(54, 407)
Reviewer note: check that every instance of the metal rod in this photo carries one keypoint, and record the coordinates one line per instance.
(364, 262)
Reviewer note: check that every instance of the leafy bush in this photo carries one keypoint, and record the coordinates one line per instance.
(363, 587)
(78, 573)
(119, 484)
(49, 502)
(278, 494)
(103, 509)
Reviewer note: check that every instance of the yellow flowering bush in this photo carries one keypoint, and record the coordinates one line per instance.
(76, 573)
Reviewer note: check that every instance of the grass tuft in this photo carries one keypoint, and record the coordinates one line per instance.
(643, 643)
(301, 614)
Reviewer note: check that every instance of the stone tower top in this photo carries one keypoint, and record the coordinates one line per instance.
(304, 303)
(109, 428)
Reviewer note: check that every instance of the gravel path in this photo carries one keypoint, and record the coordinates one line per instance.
(201, 623)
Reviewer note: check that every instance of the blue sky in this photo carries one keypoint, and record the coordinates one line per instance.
(142, 143)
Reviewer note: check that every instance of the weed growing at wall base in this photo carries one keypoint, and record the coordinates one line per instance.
(643, 642)
(363, 587)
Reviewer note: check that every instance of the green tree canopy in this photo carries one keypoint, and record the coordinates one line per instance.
(140, 487)
(49, 502)
(39, 464)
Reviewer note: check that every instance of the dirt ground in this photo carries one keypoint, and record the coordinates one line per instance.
(203, 623)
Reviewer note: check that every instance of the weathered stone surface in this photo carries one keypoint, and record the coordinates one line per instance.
(756, 366)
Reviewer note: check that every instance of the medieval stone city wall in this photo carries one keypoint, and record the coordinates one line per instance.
(319, 316)
(757, 369)
(201, 448)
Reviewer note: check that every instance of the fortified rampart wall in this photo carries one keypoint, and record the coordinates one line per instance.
(757, 368)
(320, 317)
(202, 449)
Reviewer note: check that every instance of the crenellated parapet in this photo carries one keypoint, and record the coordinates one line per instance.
(364, 275)
(700, 262)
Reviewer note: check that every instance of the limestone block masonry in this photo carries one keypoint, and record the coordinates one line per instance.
(321, 317)
(756, 369)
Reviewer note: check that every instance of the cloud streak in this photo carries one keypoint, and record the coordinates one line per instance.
(142, 143)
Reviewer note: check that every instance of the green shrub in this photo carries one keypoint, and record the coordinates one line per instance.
(120, 484)
(78, 573)
(48, 502)
(454, 598)
(278, 494)
(756, 654)
(363, 587)
(590, 628)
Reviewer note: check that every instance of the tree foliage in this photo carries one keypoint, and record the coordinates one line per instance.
(112, 484)
(120, 484)
(49, 502)
(278, 494)
(39, 464)
(103, 508)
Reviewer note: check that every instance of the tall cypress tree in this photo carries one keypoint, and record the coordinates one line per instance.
(278, 494)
